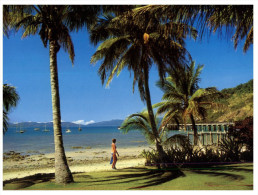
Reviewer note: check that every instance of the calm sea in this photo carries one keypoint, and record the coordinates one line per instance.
(33, 141)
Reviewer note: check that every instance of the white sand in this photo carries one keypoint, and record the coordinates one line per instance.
(95, 160)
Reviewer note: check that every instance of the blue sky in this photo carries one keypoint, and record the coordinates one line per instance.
(26, 66)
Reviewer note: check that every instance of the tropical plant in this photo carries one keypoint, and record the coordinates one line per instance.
(182, 95)
(237, 19)
(126, 45)
(53, 23)
(231, 149)
(242, 132)
(10, 99)
(141, 122)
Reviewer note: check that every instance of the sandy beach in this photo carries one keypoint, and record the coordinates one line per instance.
(16, 165)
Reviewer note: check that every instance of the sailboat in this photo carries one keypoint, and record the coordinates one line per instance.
(36, 129)
(21, 130)
(46, 130)
(79, 127)
(68, 130)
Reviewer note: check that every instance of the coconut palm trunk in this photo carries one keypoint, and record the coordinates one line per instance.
(194, 129)
(151, 116)
(62, 172)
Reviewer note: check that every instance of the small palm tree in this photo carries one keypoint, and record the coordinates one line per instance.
(10, 99)
(137, 48)
(182, 95)
(141, 122)
(53, 23)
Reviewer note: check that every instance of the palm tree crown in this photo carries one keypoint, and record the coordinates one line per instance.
(124, 45)
(10, 99)
(237, 19)
(50, 22)
(141, 122)
(183, 95)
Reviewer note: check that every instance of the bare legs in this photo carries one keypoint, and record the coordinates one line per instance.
(114, 161)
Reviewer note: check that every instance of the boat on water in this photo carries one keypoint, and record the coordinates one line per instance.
(21, 130)
(46, 130)
(36, 129)
(79, 128)
(68, 131)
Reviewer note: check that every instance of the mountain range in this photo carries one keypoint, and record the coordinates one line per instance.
(114, 123)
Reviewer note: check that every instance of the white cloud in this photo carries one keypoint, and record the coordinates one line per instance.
(82, 122)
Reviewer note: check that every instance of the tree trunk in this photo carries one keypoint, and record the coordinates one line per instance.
(195, 130)
(62, 172)
(177, 123)
(152, 118)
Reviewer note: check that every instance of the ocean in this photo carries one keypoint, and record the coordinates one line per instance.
(34, 142)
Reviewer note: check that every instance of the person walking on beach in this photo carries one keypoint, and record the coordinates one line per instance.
(113, 154)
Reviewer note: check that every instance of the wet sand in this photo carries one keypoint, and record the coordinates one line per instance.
(16, 165)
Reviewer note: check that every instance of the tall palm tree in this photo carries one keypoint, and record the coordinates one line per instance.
(10, 99)
(53, 23)
(126, 45)
(237, 19)
(183, 95)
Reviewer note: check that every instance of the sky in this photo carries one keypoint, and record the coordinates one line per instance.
(82, 96)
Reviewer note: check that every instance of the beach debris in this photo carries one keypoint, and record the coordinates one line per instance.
(77, 147)
(15, 156)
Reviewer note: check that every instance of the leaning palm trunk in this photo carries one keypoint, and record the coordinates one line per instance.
(159, 147)
(62, 172)
(194, 129)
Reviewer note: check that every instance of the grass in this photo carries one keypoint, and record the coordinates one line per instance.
(220, 177)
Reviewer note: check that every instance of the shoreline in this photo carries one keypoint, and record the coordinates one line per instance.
(80, 160)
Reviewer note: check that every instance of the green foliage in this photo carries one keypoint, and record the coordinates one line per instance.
(183, 98)
(10, 100)
(141, 122)
(236, 19)
(240, 89)
(239, 101)
(179, 151)
(231, 149)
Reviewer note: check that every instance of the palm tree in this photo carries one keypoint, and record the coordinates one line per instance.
(10, 99)
(182, 95)
(141, 122)
(125, 44)
(53, 23)
(237, 19)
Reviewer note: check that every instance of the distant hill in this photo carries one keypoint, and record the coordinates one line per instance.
(239, 102)
(116, 122)
(66, 124)
(42, 125)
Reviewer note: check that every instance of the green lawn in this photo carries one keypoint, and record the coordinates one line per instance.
(220, 177)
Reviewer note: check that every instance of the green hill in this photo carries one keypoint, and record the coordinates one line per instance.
(239, 102)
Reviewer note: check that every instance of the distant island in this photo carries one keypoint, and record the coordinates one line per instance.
(111, 123)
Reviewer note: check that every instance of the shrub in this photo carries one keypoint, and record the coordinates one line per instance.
(230, 149)
(243, 133)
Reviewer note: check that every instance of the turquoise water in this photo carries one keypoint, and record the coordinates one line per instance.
(94, 137)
